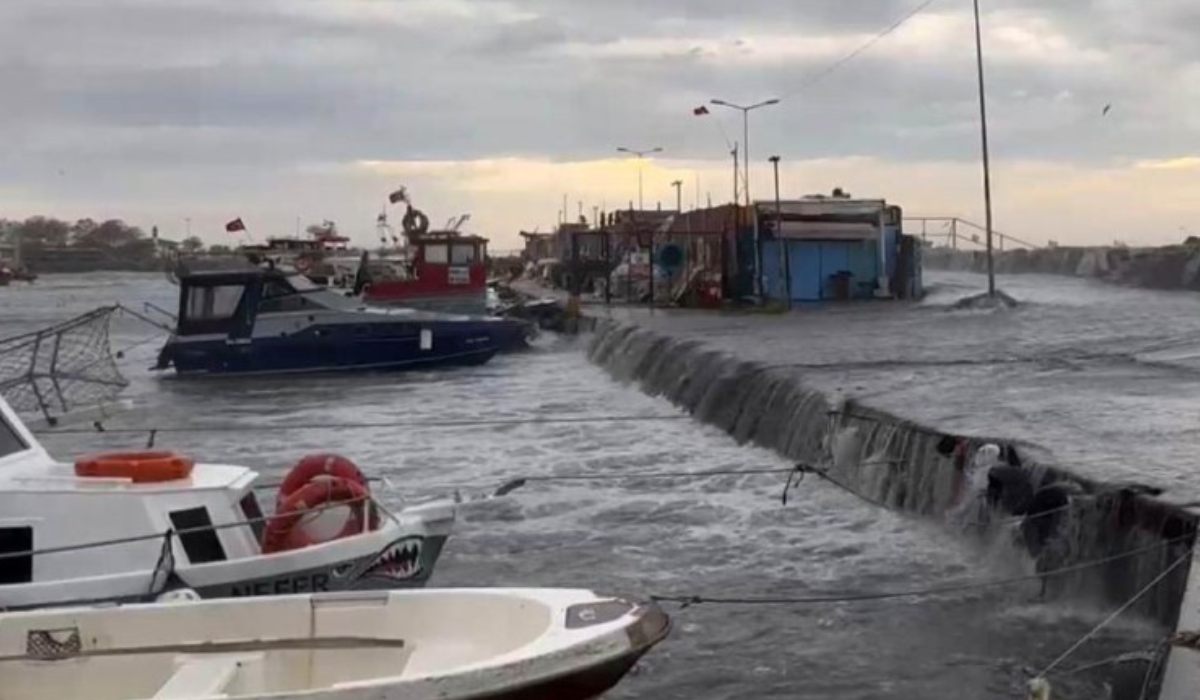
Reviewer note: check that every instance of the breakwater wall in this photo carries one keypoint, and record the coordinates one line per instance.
(1167, 267)
(1058, 518)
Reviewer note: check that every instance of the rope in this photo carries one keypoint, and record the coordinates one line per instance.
(932, 591)
(144, 318)
(1115, 614)
(514, 484)
(466, 423)
(823, 473)
(186, 531)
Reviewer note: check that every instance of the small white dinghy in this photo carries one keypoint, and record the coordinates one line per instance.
(448, 644)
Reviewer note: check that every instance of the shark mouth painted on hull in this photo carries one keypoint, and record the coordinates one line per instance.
(400, 560)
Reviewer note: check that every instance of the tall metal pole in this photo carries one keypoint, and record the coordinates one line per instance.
(678, 185)
(779, 239)
(987, 172)
(640, 205)
(746, 152)
(745, 110)
(734, 153)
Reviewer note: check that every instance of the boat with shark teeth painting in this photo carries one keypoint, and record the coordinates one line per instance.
(133, 526)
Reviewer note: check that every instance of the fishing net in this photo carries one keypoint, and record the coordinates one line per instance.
(62, 368)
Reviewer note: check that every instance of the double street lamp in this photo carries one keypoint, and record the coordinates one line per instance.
(745, 110)
(640, 155)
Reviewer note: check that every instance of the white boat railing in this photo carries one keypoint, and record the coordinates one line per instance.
(166, 555)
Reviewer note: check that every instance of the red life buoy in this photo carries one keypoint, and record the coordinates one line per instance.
(302, 265)
(319, 465)
(283, 532)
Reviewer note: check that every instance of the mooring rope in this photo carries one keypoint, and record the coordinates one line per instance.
(1115, 614)
(305, 513)
(940, 590)
(99, 427)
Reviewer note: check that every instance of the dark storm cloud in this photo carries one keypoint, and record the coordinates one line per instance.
(170, 85)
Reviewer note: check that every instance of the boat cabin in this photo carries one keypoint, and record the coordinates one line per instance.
(129, 526)
(71, 538)
(448, 272)
(227, 301)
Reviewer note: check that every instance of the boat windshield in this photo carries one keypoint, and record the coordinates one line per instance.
(297, 293)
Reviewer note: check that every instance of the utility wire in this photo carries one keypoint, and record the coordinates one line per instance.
(942, 590)
(824, 72)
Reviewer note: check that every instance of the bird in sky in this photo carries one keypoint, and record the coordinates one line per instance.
(1107, 109)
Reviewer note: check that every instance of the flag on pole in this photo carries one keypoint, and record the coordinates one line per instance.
(235, 225)
(400, 195)
(700, 111)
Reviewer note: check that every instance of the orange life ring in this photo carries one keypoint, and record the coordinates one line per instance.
(140, 467)
(316, 466)
(282, 532)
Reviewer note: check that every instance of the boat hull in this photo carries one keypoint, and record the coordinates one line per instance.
(400, 554)
(360, 573)
(333, 349)
(450, 644)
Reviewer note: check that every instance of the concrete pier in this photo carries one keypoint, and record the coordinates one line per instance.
(1072, 384)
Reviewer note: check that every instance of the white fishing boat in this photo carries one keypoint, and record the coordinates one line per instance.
(127, 527)
(448, 644)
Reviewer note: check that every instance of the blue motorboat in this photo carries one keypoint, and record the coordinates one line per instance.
(262, 320)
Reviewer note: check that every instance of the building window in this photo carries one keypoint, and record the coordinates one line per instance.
(10, 442)
(14, 540)
(199, 540)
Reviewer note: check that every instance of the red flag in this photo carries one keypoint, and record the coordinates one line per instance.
(700, 111)
(235, 225)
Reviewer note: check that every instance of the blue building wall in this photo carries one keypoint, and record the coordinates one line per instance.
(813, 265)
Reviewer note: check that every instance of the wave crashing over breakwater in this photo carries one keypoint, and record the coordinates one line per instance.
(1057, 518)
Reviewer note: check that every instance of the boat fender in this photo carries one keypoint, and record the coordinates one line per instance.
(178, 595)
(284, 531)
(138, 467)
(415, 221)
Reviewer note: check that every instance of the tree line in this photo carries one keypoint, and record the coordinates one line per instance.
(112, 234)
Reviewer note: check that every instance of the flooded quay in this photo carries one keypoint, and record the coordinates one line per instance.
(472, 430)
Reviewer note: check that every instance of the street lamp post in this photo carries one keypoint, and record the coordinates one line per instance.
(640, 155)
(678, 185)
(987, 173)
(745, 110)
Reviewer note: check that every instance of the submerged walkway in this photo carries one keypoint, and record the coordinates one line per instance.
(1105, 380)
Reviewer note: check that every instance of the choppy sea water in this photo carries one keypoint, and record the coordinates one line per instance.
(723, 536)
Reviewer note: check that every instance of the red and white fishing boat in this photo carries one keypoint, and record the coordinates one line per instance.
(446, 271)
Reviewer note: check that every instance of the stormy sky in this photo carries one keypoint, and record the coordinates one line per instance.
(278, 110)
